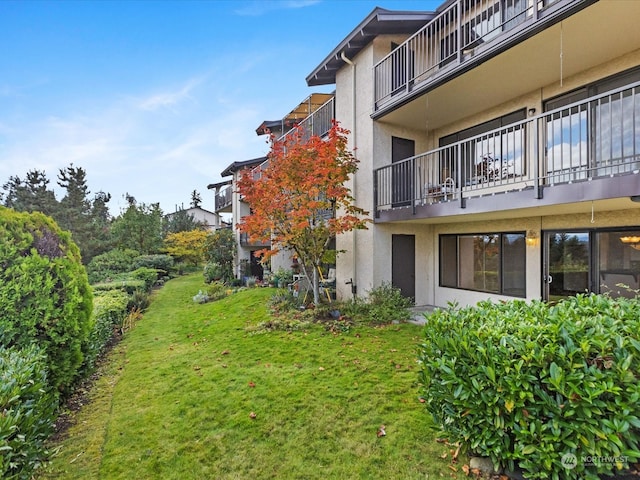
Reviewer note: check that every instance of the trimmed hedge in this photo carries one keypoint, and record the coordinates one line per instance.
(160, 262)
(110, 309)
(27, 412)
(106, 266)
(552, 390)
(129, 286)
(45, 296)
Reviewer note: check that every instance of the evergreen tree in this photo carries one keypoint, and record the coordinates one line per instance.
(139, 227)
(31, 195)
(196, 199)
(181, 221)
(75, 208)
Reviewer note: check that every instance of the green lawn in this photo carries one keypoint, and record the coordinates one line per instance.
(177, 397)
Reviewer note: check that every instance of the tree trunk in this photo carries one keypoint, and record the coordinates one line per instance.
(316, 286)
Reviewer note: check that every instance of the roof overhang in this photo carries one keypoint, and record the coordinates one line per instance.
(378, 22)
(305, 108)
(270, 125)
(235, 166)
(213, 186)
(309, 105)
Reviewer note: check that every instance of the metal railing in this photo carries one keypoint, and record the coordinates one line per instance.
(594, 138)
(223, 198)
(318, 123)
(245, 241)
(448, 40)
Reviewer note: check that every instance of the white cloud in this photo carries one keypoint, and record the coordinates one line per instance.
(260, 7)
(157, 147)
(169, 98)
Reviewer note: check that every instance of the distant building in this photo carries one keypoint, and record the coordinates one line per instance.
(211, 220)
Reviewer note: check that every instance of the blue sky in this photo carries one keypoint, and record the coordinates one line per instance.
(156, 98)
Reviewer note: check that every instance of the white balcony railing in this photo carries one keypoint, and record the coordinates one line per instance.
(595, 138)
(448, 41)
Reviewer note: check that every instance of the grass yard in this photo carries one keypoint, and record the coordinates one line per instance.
(191, 394)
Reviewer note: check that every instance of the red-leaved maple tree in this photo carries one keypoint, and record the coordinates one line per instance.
(299, 197)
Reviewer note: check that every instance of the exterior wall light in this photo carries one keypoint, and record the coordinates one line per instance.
(532, 238)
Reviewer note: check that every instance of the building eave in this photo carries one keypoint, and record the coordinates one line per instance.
(379, 22)
(235, 166)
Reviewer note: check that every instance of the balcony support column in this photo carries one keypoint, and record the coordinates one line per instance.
(536, 157)
(463, 203)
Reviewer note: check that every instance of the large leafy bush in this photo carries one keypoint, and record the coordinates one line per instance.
(160, 262)
(553, 390)
(106, 266)
(27, 411)
(45, 298)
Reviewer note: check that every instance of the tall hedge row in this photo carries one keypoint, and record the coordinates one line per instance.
(27, 411)
(551, 390)
(45, 297)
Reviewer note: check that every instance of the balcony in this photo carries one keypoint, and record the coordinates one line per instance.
(592, 145)
(223, 200)
(247, 243)
(318, 123)
(458, 39)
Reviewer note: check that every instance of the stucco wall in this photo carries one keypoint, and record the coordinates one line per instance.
(367, 254)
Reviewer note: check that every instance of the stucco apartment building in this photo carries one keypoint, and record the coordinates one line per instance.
(499, 149)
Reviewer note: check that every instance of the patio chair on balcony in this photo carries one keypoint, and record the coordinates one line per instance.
(440, 192)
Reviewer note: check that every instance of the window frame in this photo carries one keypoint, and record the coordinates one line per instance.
(449, 244)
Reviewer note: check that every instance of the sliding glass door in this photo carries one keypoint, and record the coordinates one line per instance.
(566, 264)
(599, 261)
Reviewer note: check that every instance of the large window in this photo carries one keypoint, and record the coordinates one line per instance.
(618, 262)
(599, 261)
(487, 262)
(486, 156)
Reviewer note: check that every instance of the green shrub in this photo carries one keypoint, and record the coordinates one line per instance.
(283, 302)
(106, 266)
(27, 412)
(212, 272)
(45, 297)
(139, 300)
(159, 262)
(282, 277)
(110, 309)
(148, 275)
(129, 286)
(216, 291)
(384, 304)
(528, 384)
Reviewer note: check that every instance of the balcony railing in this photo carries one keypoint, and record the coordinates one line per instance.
(595, 138)
(449, 40)
(246, 242)
(318, 123)
(223, 199)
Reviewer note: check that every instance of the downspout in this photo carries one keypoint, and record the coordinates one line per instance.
(354, 266)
